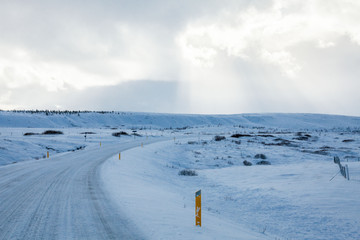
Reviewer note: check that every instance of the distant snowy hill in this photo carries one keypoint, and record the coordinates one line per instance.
(157, 120)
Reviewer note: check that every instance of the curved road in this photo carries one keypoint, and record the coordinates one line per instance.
(62, 198)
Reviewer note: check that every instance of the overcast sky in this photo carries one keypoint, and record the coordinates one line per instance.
(189, 56)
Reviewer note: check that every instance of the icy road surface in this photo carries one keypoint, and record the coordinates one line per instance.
(62, 198)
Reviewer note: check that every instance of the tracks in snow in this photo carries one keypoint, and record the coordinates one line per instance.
(61, 198)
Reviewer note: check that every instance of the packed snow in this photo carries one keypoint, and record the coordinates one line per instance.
(292, 190)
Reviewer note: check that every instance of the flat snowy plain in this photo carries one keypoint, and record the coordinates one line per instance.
(85, 191)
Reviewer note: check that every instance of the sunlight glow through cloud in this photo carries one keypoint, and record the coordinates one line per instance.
(228, 57)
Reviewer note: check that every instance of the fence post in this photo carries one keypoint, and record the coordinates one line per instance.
(347, 172)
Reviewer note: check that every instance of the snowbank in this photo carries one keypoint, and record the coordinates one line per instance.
(161, 202)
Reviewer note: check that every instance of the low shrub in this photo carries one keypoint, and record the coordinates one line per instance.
(187, 172)
(30, 134)
(219, 138)
(266, 135)
(238, 135)
(52, 132)
(247, 163)
(118, 134)
(263, 162)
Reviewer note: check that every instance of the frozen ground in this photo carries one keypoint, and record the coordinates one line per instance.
(296, 197)
(291, 199)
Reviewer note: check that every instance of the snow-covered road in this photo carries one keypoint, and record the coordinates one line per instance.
(62, 198)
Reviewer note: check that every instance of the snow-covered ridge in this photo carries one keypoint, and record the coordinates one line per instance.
(159, 120)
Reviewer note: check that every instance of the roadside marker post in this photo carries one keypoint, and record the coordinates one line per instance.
(100, 144)
(47, 154)
(142, 145)
(119, 156)
(198, 208)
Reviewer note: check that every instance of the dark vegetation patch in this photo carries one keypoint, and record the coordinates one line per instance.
(301, 138)
(196, 142)
(319, 152)
(238, 135)
(348, 140)
(219, 138)
(187, 172)
(182, 128)
(52, 132)
(247, 163)
(266, 135)
(78, 148)
(263, 162)
(30, 134)
(119, 134)
(236, 142)
(260, 155)
(281, 142)
(136, 134)
(326, 147)
(87, 133)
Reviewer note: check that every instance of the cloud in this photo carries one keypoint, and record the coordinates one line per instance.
(269, 34)
(224, 57)
(258, 58)
(154, 96)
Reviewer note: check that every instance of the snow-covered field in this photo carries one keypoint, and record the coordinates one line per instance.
(299, 196)
(293, 198)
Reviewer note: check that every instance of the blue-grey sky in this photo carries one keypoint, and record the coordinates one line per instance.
(204, 56)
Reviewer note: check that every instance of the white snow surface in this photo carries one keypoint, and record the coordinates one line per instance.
(299, 196)
(159, 120)
(291, 199)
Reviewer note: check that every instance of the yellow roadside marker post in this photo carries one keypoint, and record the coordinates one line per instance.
(198, 208)
(142, 145)
(47, 154)
(119, 156)
(100, 144)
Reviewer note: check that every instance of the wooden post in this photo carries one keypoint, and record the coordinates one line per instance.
(198, 208)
